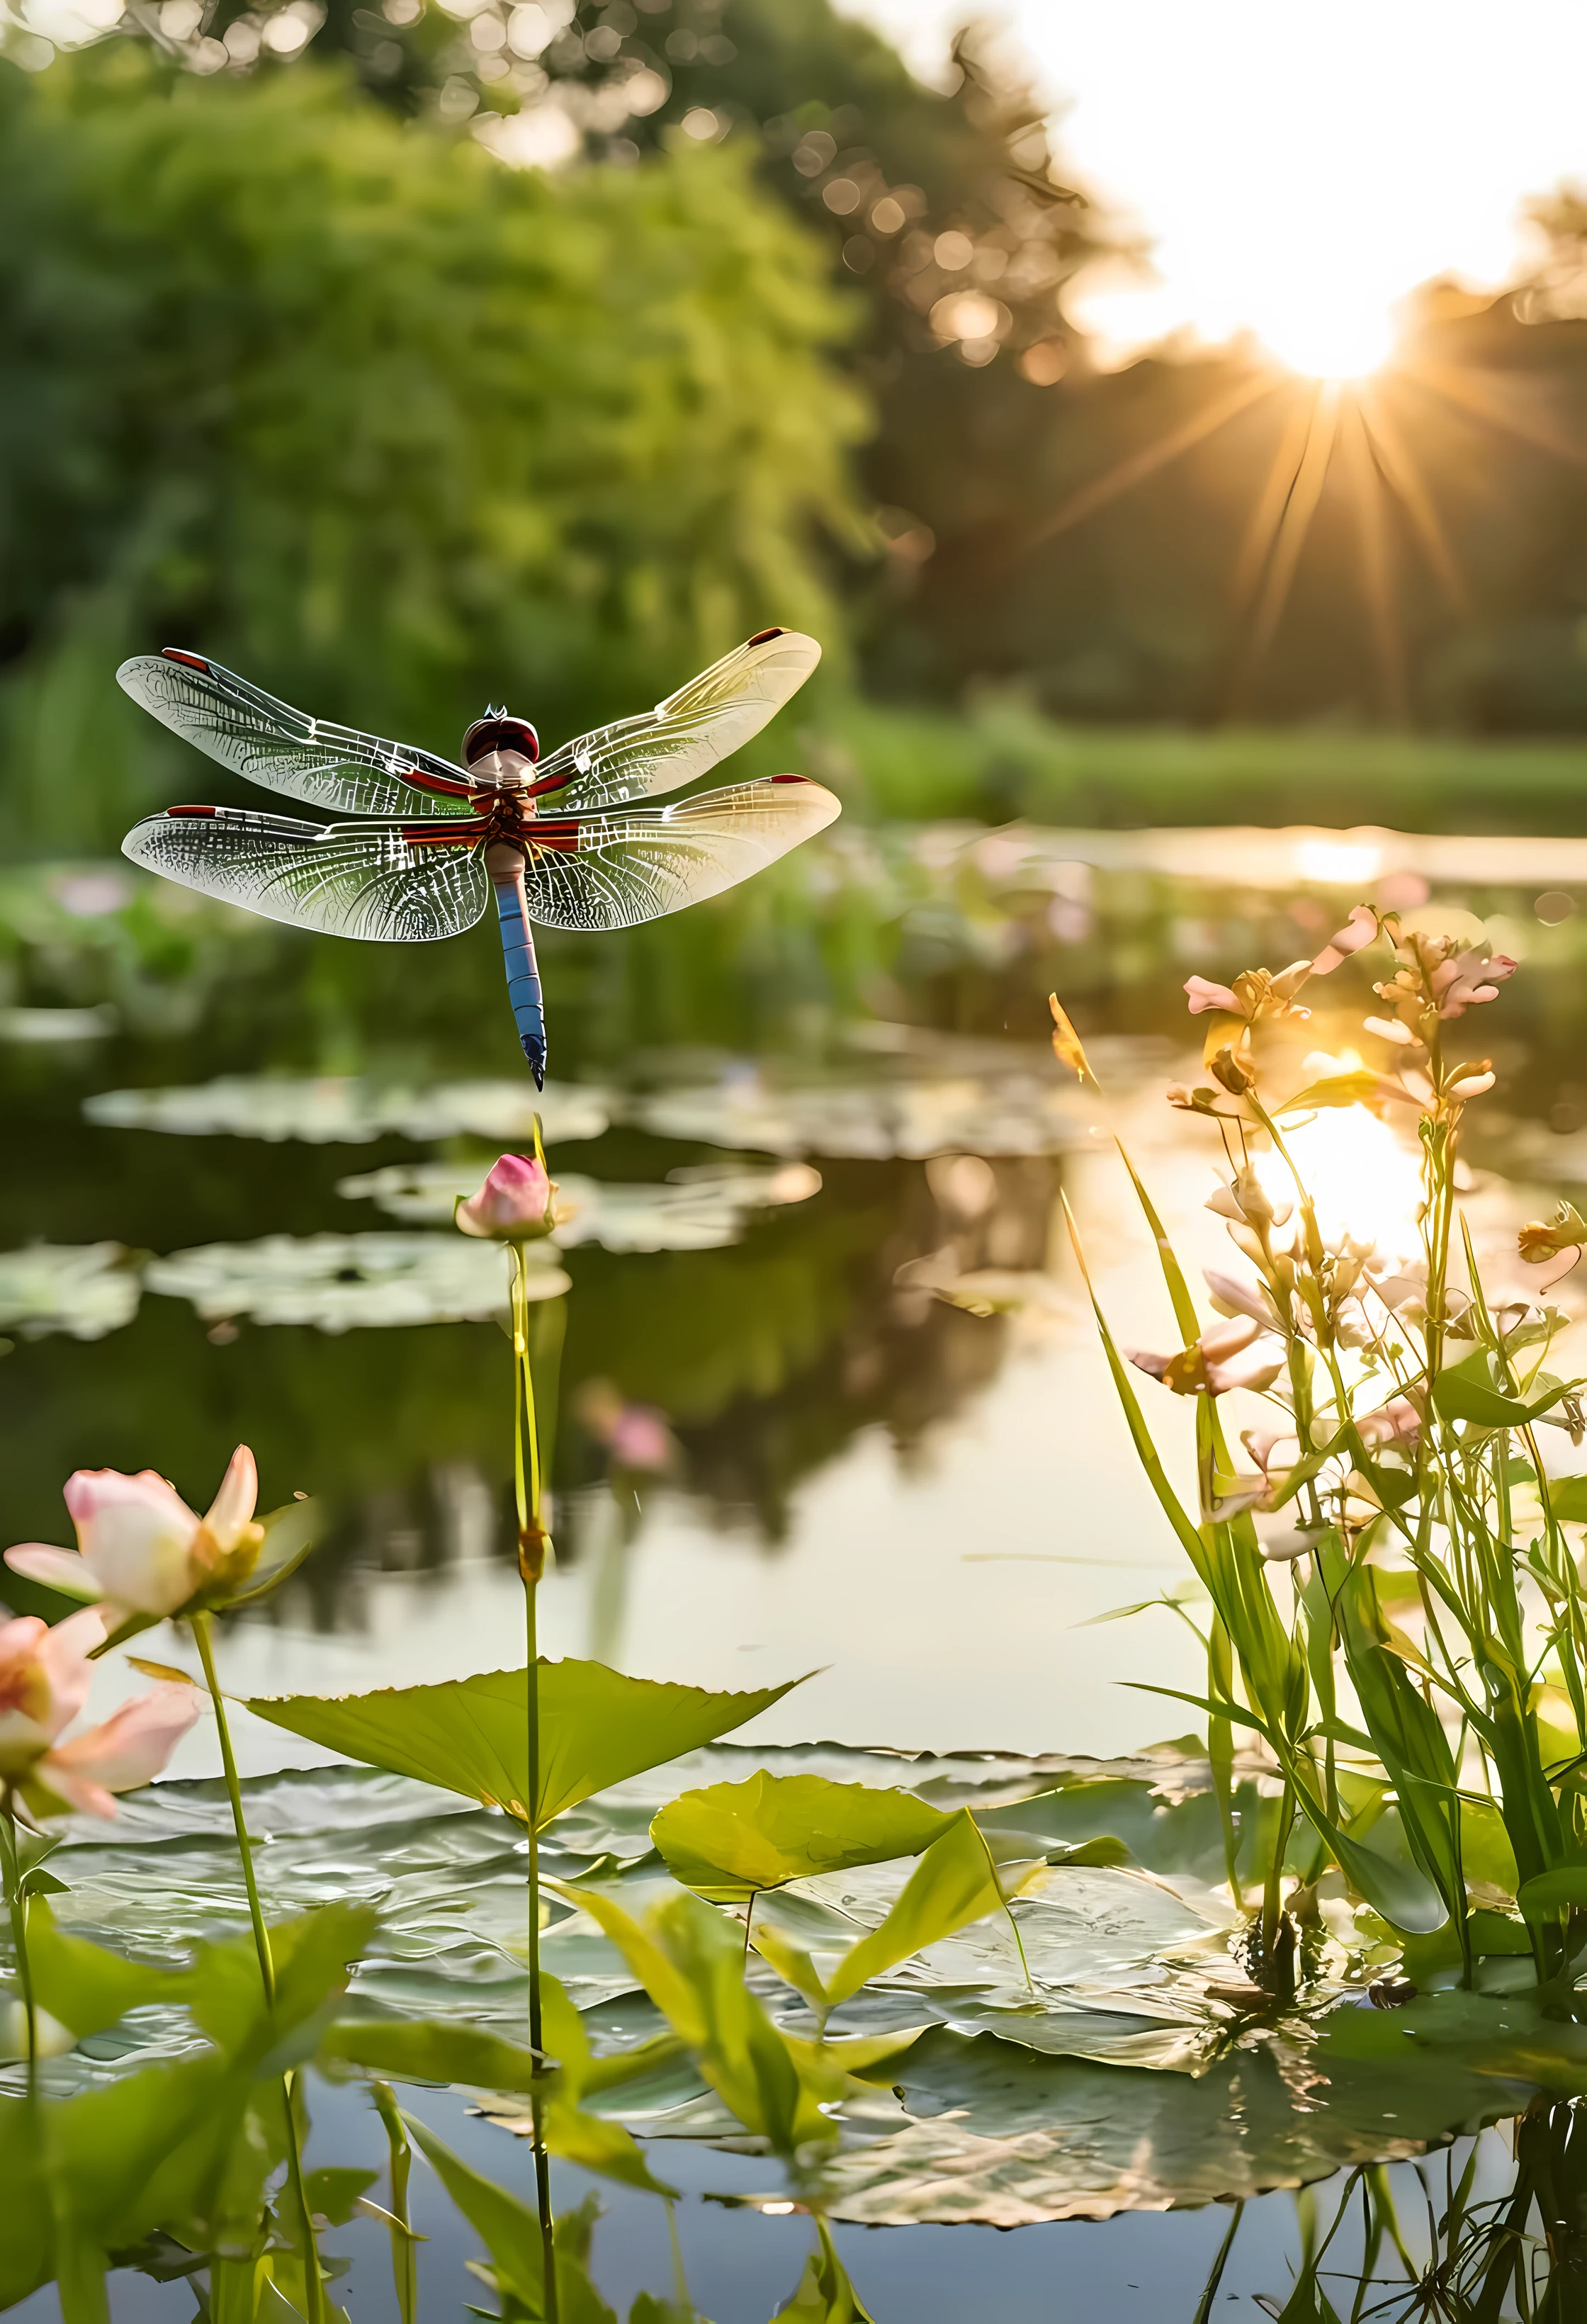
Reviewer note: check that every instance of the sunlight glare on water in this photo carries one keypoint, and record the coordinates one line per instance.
(1365, 1180)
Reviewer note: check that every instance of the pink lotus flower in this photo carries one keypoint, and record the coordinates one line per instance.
(44, 1677)
(141, 1550)
(515, 1204)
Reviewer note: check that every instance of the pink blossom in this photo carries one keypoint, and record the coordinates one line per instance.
(1224, 1358)
(1398, 1423)
(640, 1438)
(1460, 984)
(141, 1549)
(1204, 997)
(1245, 1298)
(1360, 929)
(44, 1678)
(515, 1204)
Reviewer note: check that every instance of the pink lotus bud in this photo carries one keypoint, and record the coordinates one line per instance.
(513, 1206)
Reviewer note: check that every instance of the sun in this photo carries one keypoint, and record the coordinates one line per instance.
(1339, 338)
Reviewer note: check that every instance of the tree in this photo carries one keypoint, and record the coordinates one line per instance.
(390, 427)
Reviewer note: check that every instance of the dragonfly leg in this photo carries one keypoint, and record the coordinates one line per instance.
(523, 976)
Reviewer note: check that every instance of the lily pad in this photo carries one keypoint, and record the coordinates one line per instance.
(1022, 1108)
(337, 1109)
(340, 1283)
(693, 1210)
(732, 1841)
(1003, 2138)
(83, 1289)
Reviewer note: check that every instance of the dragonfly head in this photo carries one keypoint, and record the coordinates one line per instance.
(500, 749)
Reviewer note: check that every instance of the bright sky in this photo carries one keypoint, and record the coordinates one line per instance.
(1298, 168)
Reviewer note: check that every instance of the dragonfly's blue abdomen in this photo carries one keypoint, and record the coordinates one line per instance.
(523, 976)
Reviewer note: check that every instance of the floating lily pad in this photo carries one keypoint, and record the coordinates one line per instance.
(693, 1210)
(83, 1289)
(349, 1111)
(1005, 2138)
(341, 1283)
(1018, 1110)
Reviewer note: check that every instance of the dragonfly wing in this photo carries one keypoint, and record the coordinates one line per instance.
(332, 767)
(614, 870)
(346, 880)
(686, 735)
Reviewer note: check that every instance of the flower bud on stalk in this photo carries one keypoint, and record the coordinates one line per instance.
(516, 1203)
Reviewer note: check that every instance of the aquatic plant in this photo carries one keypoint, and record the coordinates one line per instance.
(1398, 1474)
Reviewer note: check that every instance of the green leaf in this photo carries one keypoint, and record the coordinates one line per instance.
(84, 1987)
(1549, 1894)
(953, 1883)
(732, 1840)
(333, 2192)
(470, 1735)
(509, 2230)
(432, 2050)
(1338, 1088)
(1462, 1393)
(824, 2295)
(690, 1961)
(1567, 1498)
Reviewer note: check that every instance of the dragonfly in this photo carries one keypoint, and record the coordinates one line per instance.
(559, 840)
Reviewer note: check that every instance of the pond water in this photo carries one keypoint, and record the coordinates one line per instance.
(828, 1399)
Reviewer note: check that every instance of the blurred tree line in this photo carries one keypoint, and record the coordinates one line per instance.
(403, 355)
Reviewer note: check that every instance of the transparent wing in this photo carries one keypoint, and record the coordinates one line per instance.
(346, 880)
(686, 735)
(616, 870)
(272, 744)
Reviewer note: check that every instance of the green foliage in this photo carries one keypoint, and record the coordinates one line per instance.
(824, 2295)
(954, 1882)
(690, 1961)
(732, 1840)
(511, 2233)
(596, 1726)
(480, 430)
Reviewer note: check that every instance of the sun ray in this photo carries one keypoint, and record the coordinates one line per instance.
(1368, 491)
(1471, 395)
(1400, 473)
(1153, 456)
(1295, 526)
(1268, 513)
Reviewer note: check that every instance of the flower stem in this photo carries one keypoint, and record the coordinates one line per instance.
(233, 1792)
(313, 2285)
(17, 1903)
(532, 1544)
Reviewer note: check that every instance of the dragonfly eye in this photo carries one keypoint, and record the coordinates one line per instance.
(496, 732)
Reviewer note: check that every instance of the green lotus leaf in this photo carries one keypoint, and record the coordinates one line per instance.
(732, 1841)
(470, 1735)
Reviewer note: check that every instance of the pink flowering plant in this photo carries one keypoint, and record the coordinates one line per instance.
(1397, 1613)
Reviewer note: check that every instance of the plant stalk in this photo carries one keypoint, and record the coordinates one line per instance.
(16, 1904)
(313, 2285)
(532, 1544)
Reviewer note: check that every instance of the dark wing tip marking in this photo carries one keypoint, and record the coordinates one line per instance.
(191, 810)
(192, 661)
(789, 779)
(763, 637)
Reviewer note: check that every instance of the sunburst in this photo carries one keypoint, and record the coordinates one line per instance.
(1364, 440)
